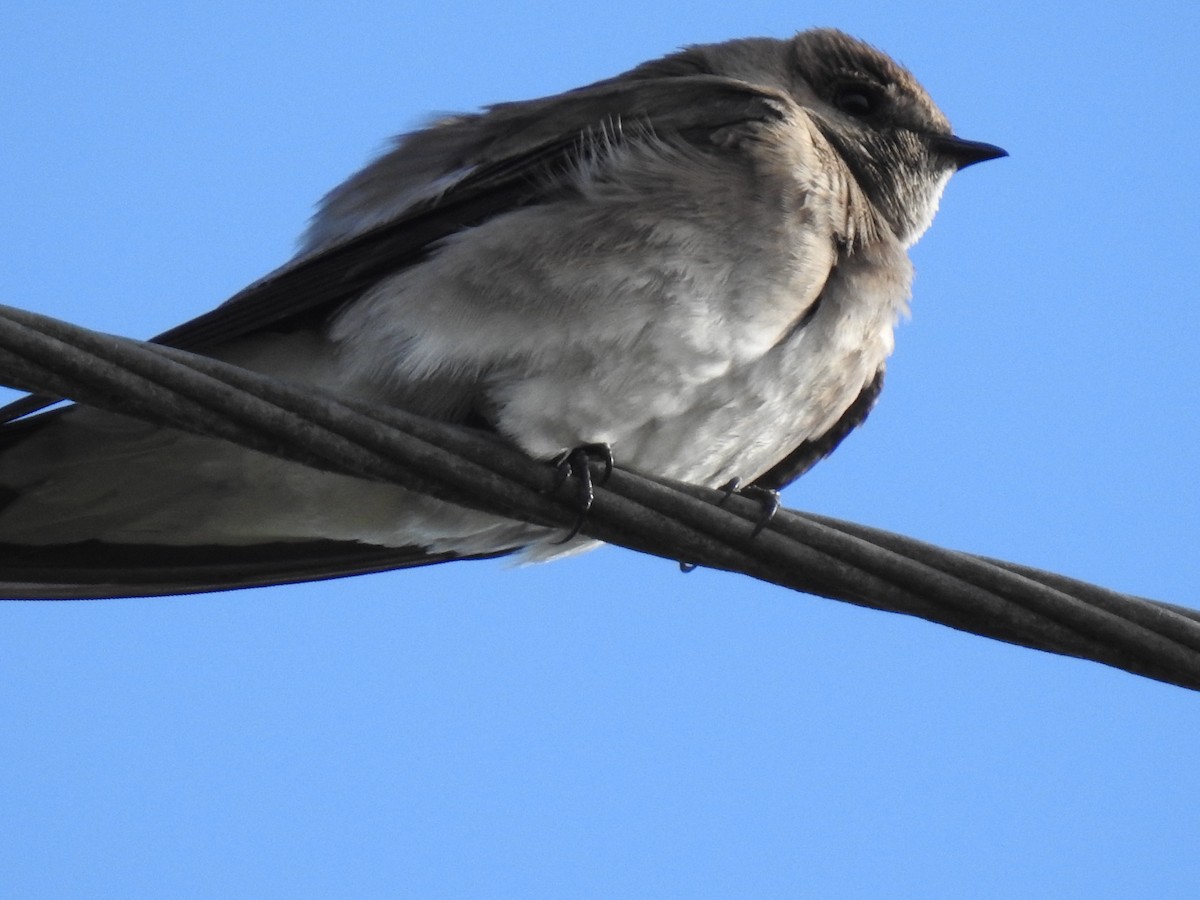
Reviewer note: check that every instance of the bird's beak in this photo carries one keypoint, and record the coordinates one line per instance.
(965, 153)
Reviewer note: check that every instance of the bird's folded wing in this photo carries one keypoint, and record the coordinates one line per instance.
(532, 146)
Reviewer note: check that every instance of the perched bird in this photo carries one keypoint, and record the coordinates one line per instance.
(699, 263)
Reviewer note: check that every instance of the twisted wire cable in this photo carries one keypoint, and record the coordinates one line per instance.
(681, 522)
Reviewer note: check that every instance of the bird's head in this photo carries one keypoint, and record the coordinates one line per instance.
(892, 137)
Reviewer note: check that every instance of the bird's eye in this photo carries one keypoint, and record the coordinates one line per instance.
(857, 99)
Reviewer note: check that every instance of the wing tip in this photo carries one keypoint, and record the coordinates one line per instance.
(94, 570)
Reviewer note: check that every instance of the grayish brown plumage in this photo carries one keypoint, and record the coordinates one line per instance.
(699, 263)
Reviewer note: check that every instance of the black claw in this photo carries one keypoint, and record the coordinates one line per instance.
(578, 462)
(768, 499)
(730, 488)
(770, 505)
(606, 455)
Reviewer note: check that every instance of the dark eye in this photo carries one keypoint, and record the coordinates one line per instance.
(857, 99)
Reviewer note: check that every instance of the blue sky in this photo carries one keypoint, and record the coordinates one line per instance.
(605, 726)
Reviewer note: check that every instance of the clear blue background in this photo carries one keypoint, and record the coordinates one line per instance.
(604, 726)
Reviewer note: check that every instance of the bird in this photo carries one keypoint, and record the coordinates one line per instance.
(697, 265)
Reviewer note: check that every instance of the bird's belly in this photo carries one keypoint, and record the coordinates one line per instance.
(737, 423)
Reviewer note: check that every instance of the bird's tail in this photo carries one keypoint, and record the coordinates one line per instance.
(99, 505)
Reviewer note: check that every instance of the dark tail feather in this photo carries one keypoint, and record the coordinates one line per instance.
(94, 569)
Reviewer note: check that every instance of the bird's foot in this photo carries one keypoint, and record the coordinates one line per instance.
(767, 498)
(577, 462)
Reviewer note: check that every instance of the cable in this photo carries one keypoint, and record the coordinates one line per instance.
(818, 555)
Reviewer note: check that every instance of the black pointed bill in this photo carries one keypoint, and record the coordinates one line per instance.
(965, 153)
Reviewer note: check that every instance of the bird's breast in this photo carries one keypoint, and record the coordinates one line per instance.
(700, 335)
